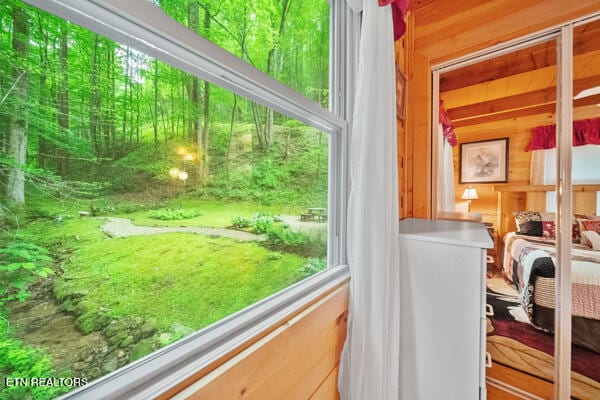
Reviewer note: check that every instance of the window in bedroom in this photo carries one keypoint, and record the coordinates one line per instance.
(585, 170)
(156, 185)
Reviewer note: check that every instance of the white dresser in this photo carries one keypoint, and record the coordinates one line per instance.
(443, 266)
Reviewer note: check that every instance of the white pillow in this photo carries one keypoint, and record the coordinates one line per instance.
(591, 239)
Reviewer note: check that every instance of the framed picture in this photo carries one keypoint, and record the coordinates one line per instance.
(400, 93)
(484, 162)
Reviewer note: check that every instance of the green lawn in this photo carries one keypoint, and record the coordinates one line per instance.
(185, 278)
(189, 279)
(214, 213)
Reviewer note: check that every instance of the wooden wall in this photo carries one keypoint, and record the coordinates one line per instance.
(440, 30)
(519, 132)
(297, 360)
(401, 132)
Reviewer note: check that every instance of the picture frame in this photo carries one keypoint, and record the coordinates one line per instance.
(484, 161)
(400, 93)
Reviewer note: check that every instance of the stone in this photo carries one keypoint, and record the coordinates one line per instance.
(110, 365)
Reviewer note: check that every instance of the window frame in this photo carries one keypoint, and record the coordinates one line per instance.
(142, 25)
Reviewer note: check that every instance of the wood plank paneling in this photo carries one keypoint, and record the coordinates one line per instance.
(447, 29)
(400, 48)
(292, 362)
(419, 155)
(519, 132)
(328, 387)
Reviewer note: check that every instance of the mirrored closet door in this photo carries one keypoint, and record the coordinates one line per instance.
(513, 124)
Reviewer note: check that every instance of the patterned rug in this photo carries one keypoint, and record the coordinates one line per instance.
(510, 321)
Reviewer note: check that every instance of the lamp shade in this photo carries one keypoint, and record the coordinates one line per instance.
(469, 194)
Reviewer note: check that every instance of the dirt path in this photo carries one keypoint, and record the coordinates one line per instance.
(123, 227)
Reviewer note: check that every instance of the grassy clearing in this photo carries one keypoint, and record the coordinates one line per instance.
(214, 213)
(189, 279)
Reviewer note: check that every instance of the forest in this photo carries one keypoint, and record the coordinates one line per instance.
(130, 190)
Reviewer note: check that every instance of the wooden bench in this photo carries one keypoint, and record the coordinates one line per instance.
(314, 215)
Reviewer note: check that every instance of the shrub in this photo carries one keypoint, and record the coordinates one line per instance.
(283, 236)
(263, 223)
(313, 266)
(170, 214)
(240, 222)
(21, 263)
(19, 361)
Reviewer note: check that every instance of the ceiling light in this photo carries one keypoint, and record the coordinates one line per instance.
(587, 93)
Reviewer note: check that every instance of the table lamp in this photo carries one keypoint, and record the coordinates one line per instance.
(469, 194)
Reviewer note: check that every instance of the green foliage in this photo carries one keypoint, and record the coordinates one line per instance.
(313, 266)
(21, 263)
(20, 361)
(241, 222)
(263, 223)
(283, 238)
(170, 214)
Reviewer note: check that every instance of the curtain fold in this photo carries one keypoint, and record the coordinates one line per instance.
(370, 363)
(445, 178)
(585, 131)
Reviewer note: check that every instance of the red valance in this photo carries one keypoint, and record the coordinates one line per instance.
(447, 127)
(585, 131)
(399, 8)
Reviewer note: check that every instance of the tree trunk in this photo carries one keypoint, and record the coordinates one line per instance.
(205, 131)
(17, 129)
(44, 146)
(63, 104)
(94, 99)
(194, 97)
(230, 134)
(155, 115)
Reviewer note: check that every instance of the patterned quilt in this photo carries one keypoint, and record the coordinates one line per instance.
(529, 263)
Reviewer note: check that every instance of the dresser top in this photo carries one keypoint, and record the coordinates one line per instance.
(461, 233)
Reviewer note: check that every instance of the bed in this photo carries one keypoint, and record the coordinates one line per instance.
(529, 264)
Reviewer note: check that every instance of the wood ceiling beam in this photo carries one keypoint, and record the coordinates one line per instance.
(525, 60)
(519, 101)
(524, 112)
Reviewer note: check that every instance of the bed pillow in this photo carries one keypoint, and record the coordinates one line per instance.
(590, 225)
(591, 239)
(528, 222)
(548, 225)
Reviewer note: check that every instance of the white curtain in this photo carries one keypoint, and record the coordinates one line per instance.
(370, 363)
(445, 176)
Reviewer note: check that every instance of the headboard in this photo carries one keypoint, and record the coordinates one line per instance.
(533, 198)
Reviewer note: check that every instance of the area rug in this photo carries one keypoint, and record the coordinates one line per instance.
(509, 321)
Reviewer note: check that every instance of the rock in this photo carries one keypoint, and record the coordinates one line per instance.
(120, 354)
(142, 348)
(110, 364)
(92, 322)
(128, 341)
(117, 338)
(80, 366)
(181, 330)
(147, 330)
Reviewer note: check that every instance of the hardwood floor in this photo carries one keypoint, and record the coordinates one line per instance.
(525, 382)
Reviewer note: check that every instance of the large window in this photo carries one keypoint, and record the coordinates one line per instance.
(158, 189)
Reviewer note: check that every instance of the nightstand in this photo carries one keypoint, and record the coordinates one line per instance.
(492, 254)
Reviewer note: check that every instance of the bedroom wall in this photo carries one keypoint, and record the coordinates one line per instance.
(518, 130)
(440, 30)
